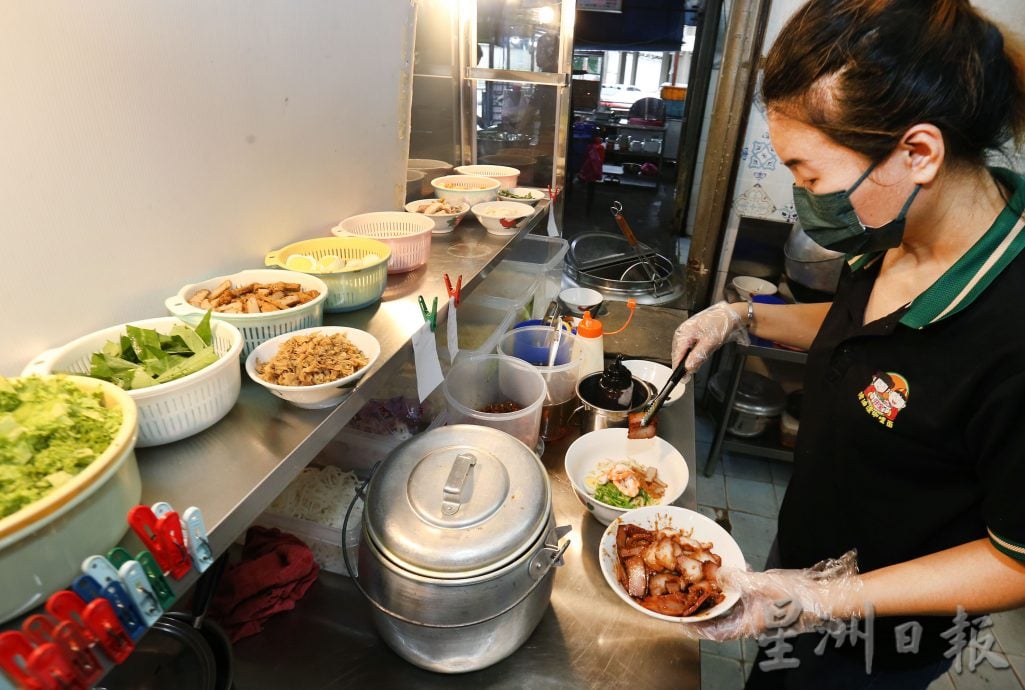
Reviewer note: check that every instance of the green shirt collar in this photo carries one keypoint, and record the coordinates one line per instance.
(963, 282)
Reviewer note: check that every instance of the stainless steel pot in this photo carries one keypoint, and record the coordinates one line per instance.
(594, 417)
(607, 263)
(756, 406)
(458, 547)
(809, 264)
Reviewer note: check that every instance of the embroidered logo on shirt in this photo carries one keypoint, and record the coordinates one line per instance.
(885, 396)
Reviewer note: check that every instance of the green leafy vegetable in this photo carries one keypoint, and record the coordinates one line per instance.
(608, 493)
(50, 430)
(143, 357)
(508, 193)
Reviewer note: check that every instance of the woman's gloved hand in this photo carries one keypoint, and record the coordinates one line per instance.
(704, 333)
(798, 601)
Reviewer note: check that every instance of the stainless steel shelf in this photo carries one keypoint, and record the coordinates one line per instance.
(234, 470)
(767, 445)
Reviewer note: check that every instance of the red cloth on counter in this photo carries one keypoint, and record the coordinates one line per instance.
(275, 571)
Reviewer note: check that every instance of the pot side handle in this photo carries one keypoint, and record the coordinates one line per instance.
(551, 555)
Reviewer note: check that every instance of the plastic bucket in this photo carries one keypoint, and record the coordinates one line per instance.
(475, 383)
(534, 344)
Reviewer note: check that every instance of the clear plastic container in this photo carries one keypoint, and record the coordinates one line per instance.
(482, 320)
(543, 258)
(475, 383)
(535, 345)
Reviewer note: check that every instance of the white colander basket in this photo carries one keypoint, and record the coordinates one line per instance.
(169, 411)
(409, 236)
(257, 328)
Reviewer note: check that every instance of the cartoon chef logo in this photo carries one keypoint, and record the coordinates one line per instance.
(885, 396)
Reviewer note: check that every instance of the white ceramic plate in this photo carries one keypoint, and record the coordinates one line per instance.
(701, 528)
(657, 375)
(319, 395)
(584, 454)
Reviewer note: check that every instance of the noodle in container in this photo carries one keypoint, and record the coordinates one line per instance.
(351, 363)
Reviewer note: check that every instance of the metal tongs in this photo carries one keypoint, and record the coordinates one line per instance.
(631, 239)
(642, 424)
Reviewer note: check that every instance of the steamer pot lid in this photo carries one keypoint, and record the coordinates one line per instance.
(458, 501)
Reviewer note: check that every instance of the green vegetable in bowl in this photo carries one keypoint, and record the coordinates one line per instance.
(143, 357)
(50, 430)
(509, 194)
(609, 494)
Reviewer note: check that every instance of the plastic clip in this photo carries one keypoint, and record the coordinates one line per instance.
(453, 292)
(431, 317)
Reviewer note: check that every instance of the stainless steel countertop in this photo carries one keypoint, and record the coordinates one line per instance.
(588, 638)
(234, 470)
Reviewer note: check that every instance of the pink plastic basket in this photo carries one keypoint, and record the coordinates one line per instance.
(408, 235)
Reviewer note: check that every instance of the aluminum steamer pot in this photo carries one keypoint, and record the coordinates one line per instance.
(593, 417)
(458, 546)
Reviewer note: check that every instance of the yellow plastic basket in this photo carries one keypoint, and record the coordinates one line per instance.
(348, 290)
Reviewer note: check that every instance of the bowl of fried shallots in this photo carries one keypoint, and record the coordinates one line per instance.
(314, 367)
(664, 561)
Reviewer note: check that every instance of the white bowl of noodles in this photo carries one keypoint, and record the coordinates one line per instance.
(591, 451)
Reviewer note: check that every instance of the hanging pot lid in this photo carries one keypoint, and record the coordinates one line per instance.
(457, 501)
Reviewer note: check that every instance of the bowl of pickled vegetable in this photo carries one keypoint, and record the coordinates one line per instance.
(524, 195)
(612, 474)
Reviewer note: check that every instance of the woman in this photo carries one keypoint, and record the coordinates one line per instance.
(912, 443)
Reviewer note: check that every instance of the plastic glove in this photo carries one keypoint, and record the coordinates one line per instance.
(822, 596)
(704, 333)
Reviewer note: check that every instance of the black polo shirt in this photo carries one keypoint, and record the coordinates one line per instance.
(912, 435)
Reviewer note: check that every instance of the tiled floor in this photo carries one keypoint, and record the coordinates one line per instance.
(744, 495)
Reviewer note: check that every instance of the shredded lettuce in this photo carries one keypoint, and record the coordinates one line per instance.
(143, 357)
(50, 430)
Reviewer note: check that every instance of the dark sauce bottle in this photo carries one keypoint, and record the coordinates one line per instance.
(615, 386)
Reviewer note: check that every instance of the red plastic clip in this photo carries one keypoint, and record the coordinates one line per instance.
(67, 606)
(49, 662)
(15, 652)
(163, 536)
(101, 619)
(70, 637)
(38, 628)
(455, 293)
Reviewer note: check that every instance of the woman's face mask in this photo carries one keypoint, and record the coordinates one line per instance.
(830, 220)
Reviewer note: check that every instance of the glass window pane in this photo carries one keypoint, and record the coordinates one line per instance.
(516, 127)
(518, 36)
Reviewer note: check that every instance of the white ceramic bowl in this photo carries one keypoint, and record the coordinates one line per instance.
(322, 394)
(749, 286)
(443, 222)
(431, 169)
(502, 217)
(506, 176)
(575, 301)
(657, 375)
(458, 189)
(535, 195)
(700, 527)
(583, 456)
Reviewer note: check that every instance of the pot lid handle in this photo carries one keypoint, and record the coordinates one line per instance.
(452, 498)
